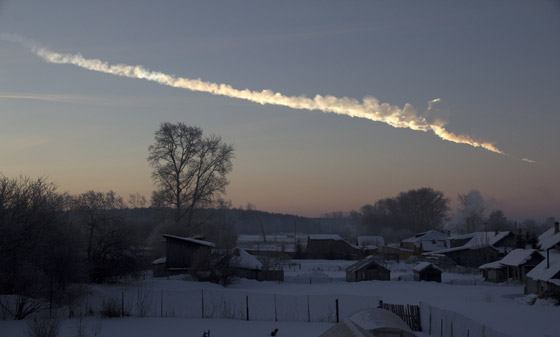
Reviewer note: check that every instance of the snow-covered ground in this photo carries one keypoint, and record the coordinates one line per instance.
(296, 301)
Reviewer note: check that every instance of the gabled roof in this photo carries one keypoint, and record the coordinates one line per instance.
(492, 265)
(518, 257)
(455, 249)
(428, 235)
(196, 241)
(423, 266)
(363, 264)
(482, 238)
(545, 271)
(549, 239)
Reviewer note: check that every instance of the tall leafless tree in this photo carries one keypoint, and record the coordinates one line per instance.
(189, 169)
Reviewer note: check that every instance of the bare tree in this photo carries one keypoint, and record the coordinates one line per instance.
(189, 169)
(136, 200)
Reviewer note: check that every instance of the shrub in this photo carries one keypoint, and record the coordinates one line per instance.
(43, 327)
(111, 307)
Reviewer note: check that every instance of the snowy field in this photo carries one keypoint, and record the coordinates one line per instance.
(303, 305)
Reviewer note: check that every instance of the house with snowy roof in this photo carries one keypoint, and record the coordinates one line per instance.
(425, 271)
(545, 277)
(367, 270)
(503, 241)
(513, 267)
(428, 241)
(493, 272)
(551, 238)
(330, 246)
(476, 249)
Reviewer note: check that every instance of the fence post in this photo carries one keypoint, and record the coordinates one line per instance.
(122, 303)
(247, 305)
(202, 302)
(275, 310)
(441, 328)
(308, 311)
(337, 310)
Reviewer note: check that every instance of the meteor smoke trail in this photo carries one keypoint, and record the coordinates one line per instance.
(369, 108)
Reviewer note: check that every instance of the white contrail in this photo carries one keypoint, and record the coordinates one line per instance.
(369, 108)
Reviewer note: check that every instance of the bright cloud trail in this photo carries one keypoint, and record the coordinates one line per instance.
(369, 108)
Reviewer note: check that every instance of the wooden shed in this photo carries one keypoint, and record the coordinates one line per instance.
(493, 272)
(180, 250)
(425, 271)
(367, 270)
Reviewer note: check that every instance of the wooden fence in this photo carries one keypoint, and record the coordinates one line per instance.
(410, 314)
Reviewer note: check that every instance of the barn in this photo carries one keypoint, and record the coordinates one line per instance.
(425, 271)
(367, 270)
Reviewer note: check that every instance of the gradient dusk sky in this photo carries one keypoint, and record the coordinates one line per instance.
(495, 65)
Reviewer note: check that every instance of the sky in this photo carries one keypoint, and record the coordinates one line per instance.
(492, 66)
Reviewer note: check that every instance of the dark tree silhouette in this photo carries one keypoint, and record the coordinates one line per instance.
(189, 169)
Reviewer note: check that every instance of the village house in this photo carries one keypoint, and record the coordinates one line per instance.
(545, 277)
(331, 247)
(503, 241)
(519, 262)
(428, 241)
(475, 249)
(425, 271)
(367, 270)
(513, 267)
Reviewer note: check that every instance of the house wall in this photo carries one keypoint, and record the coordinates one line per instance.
(331, 249)
(494, 275)
(372, 272)
(473, 257)
(179, 253)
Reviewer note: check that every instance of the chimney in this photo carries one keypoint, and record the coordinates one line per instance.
(556, 227)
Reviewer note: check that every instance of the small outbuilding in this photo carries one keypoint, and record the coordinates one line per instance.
(180, 251)
(425, 271)
(367, 270)
(493, 272)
